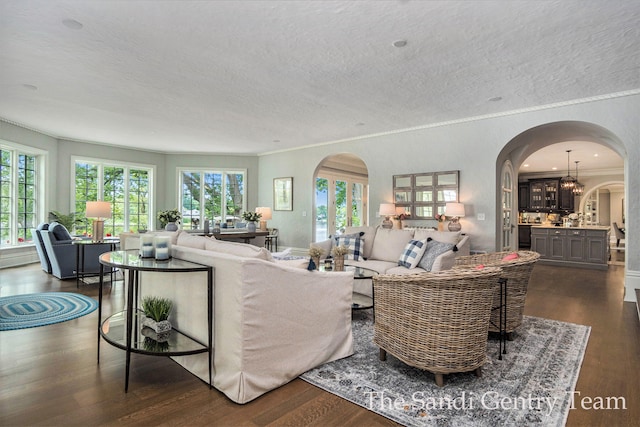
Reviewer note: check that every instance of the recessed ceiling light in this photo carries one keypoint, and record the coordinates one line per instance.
(526, 165)
(554, 168)
(495, 99)
(400, 43)
(72, 23)
(595, 155)
(30, 87)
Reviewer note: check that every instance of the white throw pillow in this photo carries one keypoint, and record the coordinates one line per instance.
(412, 253)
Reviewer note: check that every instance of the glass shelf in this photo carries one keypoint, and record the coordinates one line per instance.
(113, 330)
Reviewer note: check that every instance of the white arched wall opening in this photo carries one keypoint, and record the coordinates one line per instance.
(526, 143)
(352, 172)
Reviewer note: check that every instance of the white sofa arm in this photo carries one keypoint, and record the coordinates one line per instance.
(464, 246)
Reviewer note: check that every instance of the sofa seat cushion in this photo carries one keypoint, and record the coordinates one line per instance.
(238, 249)
(389, 244)
(378, 266)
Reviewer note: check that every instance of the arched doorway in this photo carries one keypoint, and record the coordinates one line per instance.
(534, 139)
(341, 192)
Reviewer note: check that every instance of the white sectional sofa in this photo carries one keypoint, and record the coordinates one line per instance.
(381, 250)
(272, 321)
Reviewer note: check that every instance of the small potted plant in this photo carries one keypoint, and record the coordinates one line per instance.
(339, 253)
(156, 311)
(251, 218)
(169, 218)
(315, 253)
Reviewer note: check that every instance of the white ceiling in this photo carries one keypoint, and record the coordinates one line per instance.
(251, 77)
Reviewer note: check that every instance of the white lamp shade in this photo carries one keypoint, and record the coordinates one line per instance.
(387, 209)
(265, 211)
(98, 210)
(453, 209)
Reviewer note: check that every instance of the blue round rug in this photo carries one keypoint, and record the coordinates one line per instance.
(32, 310)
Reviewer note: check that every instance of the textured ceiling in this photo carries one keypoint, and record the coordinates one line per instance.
(251, 77)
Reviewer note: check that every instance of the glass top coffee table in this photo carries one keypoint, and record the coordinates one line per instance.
(360, 301)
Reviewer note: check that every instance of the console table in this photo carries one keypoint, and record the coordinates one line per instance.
(118, 329)
(245, 236)
(81, 271)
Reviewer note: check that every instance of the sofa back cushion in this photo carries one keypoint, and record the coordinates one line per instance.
(440, 236)
(389, 244)
(238, 249)
(191, 241)
(367, 238)
(60, 232)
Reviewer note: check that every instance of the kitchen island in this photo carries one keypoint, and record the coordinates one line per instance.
(585, 247)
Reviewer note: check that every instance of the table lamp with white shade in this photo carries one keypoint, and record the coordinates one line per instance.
(387, 210)
(455, 211)
(98, 210)
(266, 215)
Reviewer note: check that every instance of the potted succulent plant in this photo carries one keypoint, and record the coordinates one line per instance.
(156, 311)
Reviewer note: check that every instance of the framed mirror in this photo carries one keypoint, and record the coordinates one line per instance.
(426, 194)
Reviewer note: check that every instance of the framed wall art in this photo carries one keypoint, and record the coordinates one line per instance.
(283, 194)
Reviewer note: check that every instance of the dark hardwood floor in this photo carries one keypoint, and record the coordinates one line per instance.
(49, 375)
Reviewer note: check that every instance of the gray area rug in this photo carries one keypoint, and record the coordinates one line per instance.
(531, 385)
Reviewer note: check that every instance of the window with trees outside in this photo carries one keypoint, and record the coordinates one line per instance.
(214, 195)
(127, 187)
(20, 195)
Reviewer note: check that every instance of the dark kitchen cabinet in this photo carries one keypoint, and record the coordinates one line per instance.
(543, 194)
(523, 196)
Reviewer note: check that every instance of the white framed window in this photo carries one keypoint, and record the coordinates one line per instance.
(127, 186)
(21, 192)
(214, 195)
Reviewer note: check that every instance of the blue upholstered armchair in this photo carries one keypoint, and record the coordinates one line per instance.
(42, 252)
(62, 253)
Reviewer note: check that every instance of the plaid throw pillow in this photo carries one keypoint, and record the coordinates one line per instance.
(412, 253)
(354, 244)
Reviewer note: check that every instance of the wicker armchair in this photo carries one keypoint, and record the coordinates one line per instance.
(435, 321)
(517, 272)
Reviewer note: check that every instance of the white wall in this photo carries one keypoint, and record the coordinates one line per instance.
(471, 147)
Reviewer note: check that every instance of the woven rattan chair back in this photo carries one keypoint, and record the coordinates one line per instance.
(517, 272)
(435, 321)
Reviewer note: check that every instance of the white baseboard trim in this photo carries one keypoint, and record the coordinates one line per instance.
(631, 283)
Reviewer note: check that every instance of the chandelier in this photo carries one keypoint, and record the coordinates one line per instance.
(568, 182)
(579, 188)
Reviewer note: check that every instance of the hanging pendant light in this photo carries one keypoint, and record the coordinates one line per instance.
(579, 188)
(568, 182)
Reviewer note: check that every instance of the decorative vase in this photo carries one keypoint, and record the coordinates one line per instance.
(440, 226)
(339, 263)
(251, 226)
(171, 226)
(158, 327)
